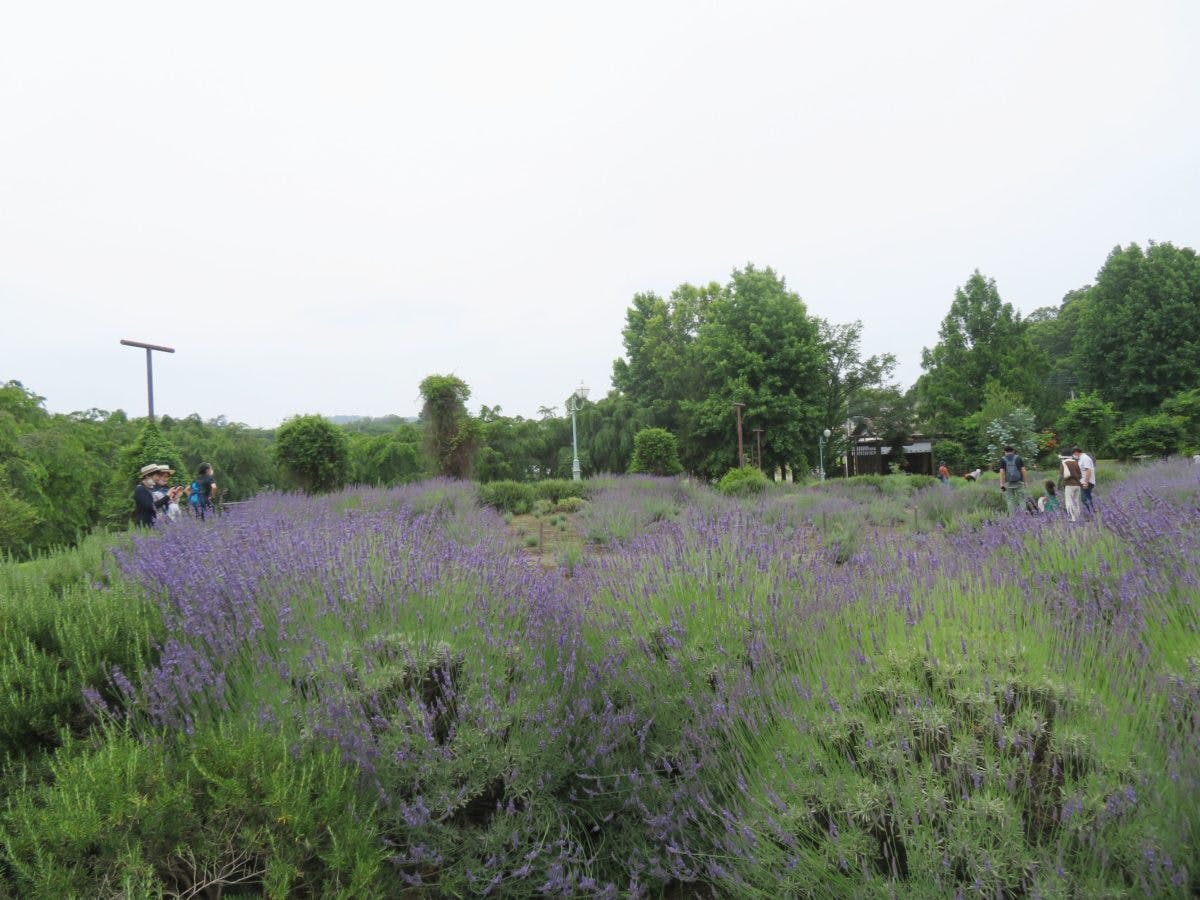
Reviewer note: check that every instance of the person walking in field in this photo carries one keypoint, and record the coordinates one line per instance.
(1013, 479)
(204, 491)
(1087, 479)
(943, 474)
(1072, 477)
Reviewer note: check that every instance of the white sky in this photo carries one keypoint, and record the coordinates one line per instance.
(320, 204)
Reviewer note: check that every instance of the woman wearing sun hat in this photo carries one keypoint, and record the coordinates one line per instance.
(151, 494)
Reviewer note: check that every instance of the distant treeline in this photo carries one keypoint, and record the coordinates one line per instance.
(1115, 367)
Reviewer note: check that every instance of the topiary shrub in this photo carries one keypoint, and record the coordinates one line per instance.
(313, 452)
(742, 482)
(655, 452)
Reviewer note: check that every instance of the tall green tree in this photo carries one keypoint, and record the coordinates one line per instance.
(1139, 336)
(690, 359)
(845, 377)
(981, 339)
(757, 346)
(452, 436)
(313, 452)
(1053, 331)
(1088, 421)
(662, 368)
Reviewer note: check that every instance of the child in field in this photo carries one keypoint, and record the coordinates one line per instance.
(1049, 502)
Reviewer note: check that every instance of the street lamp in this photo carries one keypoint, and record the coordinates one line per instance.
(821, 439)
(574, 403)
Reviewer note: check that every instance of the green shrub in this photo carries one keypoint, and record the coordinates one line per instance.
(743, 481)
(655, 452)
(953, 454)
(64, 628)
(1156, 435)
(556, 489)
(233, 810)
(570, 505)
(507, 496)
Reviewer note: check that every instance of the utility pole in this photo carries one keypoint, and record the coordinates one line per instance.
(741, 454)
(149, 368)
(758, 434)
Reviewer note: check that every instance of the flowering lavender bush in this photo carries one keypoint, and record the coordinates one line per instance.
(725, 698)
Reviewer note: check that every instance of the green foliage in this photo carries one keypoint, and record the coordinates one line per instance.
(18, 521)
(452, 437)
(953, 454)
(64, 626)
(655, 452)
(313, 452)
(1017, 429)
(846, 376)
(557, 489)
(751, 341)
(742, 482)
(233, 810)
(1139, 336)
(1186, 407)
(560, 495)
(518, 449)
(1086, 421)
(1053, 330)
(1156, 435)
(507, 496)
(387, 459)
(240, 456)
(981, 339)
(151, 446)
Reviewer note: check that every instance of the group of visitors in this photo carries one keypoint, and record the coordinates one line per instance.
(1078, 473)
(154, 495)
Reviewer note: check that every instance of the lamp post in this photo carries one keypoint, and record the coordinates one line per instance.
(574, 403)
(758, 434)
(149, 368)
(850, 439)
(821, 439)
(741, 455)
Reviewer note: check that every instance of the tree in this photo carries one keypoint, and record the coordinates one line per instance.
(1139, 336)
(663, 369)
(757, 346)
(846, 375)
(655, 452)
(981, 339)
(1156, 435)
(451, 435)
(1052, 331)
(313, 452)
(387, 459)
(1087, 420)
(1186, 407)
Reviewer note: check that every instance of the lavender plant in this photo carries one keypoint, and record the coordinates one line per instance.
(725, 701)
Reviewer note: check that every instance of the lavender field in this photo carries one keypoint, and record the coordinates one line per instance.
(874, 688)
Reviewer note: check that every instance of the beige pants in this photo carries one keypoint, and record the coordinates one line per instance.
(1072, 501)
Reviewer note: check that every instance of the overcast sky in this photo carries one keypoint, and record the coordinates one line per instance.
(318, 205)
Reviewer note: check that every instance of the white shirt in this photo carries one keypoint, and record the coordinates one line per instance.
(1087, 466)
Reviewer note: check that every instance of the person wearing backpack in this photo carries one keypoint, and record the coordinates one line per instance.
(204, 490)
(1013, 479)
(1072, 478)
